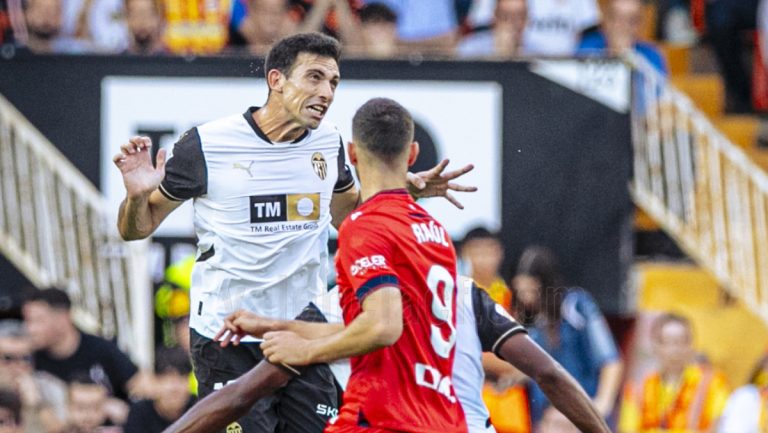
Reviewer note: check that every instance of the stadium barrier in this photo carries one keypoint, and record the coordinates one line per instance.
(54, 229)
(700, 187)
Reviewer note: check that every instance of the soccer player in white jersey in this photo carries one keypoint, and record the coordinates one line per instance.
(266, 185)
(481, 324)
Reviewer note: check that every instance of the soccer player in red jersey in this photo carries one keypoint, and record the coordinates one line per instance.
(397, 276)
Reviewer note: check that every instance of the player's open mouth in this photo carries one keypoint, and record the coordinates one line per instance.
(318, 109)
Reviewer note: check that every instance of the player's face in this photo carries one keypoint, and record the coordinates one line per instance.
(673, 346)
(308, 91)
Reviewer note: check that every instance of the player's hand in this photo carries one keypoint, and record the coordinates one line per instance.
(135, 164)
(239, 324)
(285, 347)
(435, 183)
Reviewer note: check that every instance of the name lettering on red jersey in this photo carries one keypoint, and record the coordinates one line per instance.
(364, 264)
(429, 233)
(430, 377)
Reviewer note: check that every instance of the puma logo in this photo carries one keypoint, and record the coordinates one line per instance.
(238, 166)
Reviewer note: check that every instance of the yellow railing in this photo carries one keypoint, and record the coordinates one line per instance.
(54, 228)
(701, 188)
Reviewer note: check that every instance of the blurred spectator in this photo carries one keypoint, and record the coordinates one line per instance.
(145, 27)
(373, 33)
(504, 39)
(88, 403)
(171, 397)
(747, 408)
(265, 22)
(94, 25)
(727, 21)
(555, 26)
(429, 27)
(11, 420)
(620, 32)
(196, 27)
(65, 351)
(567, 323)
(482, 253)
(43, 25)
(680, 395)
(43, 397)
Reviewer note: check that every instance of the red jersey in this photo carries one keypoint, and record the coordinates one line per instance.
(391, 241)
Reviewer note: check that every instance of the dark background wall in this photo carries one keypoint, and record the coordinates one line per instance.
(566, 158)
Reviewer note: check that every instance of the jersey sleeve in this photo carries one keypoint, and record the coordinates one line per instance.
(186, 174)
(366, 254)
(494, 324)
(345, 180)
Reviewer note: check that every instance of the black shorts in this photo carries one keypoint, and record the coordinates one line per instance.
(304, 405)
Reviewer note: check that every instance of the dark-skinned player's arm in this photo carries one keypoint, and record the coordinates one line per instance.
(558, 385)
(379, 324)
(501, 334)
(219, 409)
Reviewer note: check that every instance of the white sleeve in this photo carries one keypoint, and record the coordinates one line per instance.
(742, 411)
(589, 14)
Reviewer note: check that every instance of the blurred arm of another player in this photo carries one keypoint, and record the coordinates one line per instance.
(219, 409)
(380, 324)
(144, 207)
(560, 387)
(241, 323)
(430, 183)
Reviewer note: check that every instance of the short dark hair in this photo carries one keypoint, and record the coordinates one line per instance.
(377, 13)
(172, 360)
(11, 400)
(479, 232)
(660, 322)
(54, 297)
(383, 127)
(282, 55)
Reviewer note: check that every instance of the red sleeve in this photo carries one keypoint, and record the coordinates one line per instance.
(366, 254)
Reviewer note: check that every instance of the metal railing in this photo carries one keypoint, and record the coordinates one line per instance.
(701, 188)
(54, 228)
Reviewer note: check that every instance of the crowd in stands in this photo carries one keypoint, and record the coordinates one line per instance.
(393, 28)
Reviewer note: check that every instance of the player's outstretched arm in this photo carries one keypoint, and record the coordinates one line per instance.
(216, 411)
(560, 387)
(144, 207)
(241, 323)
(380, 324)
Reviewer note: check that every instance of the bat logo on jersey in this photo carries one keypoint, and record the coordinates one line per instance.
(284, 208)
(319, 165)
(234, 428)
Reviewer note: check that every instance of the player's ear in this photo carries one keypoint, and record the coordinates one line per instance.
(275, 80)
(413, 153)
(352, 151)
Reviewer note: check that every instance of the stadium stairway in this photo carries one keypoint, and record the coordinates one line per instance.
(727, 330)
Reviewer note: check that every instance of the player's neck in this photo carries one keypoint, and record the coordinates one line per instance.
(277, 124)
(374, 180)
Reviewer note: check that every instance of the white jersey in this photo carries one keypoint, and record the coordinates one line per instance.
(261, 215)
(482, 326)
(554, 26)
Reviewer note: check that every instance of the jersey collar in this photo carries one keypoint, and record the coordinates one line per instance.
(252, 123)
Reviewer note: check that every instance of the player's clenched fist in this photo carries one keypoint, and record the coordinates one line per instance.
(285, 347)
(135, 163)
